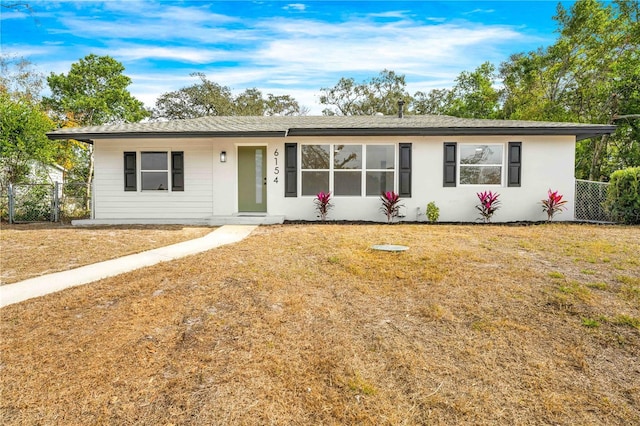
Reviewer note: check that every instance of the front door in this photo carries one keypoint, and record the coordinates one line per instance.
(252, 179)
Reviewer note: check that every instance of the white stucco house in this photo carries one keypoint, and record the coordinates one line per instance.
(218, 170)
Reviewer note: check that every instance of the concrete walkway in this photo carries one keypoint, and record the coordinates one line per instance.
(45, 284)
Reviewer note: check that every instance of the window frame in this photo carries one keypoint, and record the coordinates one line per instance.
(393, 170)
(460, 166)
(332, 170)
(157, 171)
(307, 170)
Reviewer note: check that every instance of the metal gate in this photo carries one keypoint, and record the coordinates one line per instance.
(32, 202)
(590, 199)
(44, 202)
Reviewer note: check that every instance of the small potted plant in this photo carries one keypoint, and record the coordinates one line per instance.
(553, 204)
(489, 203)
(323, 204)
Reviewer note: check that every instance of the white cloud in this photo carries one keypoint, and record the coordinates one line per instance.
(479, 11)
(280, 55)
(182, 54)
(296, 6)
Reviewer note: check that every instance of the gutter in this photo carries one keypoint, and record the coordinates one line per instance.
(88, 137)
(579, 132)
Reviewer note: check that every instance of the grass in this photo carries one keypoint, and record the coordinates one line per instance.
(304, 324)
(30, 250)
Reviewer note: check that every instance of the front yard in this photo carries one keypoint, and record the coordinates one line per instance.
(305, 324)
(30, 250)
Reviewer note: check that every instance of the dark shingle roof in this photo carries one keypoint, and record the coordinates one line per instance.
(242, 126)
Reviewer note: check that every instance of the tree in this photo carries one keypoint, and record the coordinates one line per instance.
(23, 123)
(590, 74)
(473, 95)
(23, 127)
(18, 78)
(93, 92)
(380, 94)
(208, 98)
(437, 101)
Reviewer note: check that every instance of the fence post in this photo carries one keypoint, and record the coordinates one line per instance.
(91, 201)
(56, 202)
(10, 202)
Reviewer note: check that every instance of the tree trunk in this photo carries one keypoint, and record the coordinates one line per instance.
(596, 159)
(89, 179)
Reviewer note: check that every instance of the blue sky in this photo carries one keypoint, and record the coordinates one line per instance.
(280, 47)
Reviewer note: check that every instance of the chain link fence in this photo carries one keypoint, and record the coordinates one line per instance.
(44, 202)
(74, 202)
(590, 199)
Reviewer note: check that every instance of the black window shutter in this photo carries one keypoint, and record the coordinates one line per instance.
(449, 165)
(290, 169)
(177, 171)
(515, 164)
(404, 175)
(130, 183)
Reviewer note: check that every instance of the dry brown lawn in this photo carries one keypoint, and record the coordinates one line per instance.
(305, 324)
(30, 250)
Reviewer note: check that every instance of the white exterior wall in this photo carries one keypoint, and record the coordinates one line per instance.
(211, 189)
(111, 201)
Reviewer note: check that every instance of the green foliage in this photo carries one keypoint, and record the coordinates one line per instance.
(433, 212)
(23, 127)
(32, 203)
(17, 77)
(380, 94)
(591, 74)
(627, 320)
(208, 98)
(474, 95)
(623, 196)
(590, 322)
(94, 92)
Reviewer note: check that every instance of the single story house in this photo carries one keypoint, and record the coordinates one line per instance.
(267, 169)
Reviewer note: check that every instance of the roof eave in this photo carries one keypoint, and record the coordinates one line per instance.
(579, 132)
(89, 136)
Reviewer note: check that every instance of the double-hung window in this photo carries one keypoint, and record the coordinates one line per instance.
(315, 168)
(481, 164)
(348, 169)
(381, 162)
(154, 171)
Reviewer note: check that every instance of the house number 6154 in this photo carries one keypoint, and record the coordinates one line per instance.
(276, 168)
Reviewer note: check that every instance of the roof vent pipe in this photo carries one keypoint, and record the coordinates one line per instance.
(400, 111)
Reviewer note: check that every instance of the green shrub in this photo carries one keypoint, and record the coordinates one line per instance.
(623, 196)
(433, 212)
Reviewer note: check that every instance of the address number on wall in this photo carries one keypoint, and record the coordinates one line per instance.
(276, 167)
